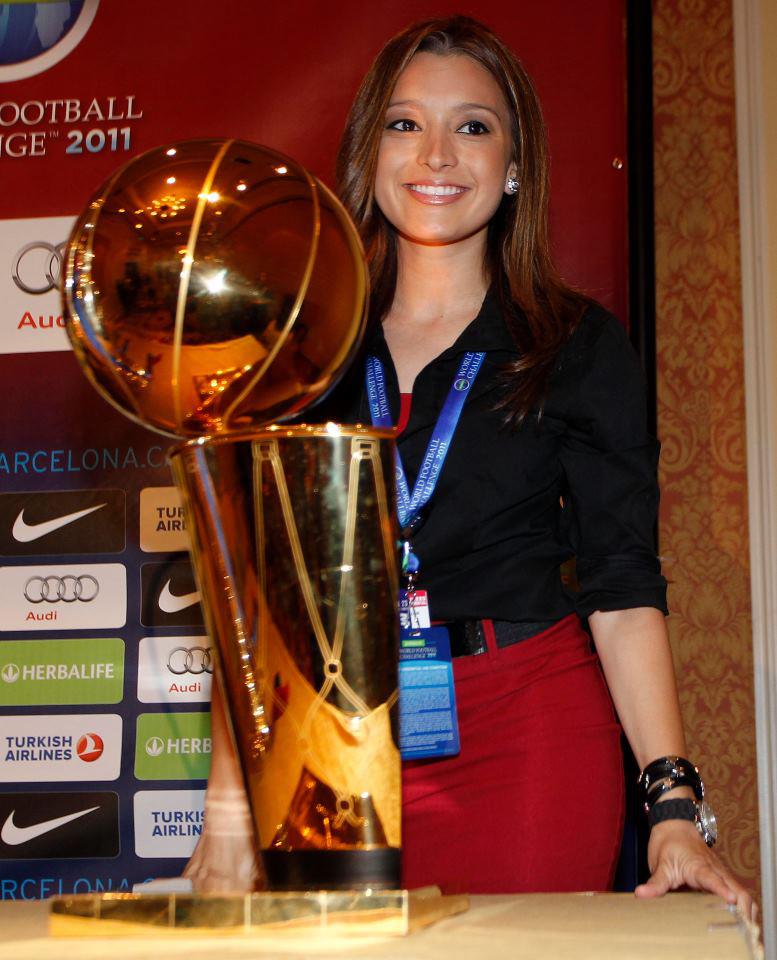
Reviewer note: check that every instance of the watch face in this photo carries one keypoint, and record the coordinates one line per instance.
(707, 822)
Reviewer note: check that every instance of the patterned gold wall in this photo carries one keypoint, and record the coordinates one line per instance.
(701, 415)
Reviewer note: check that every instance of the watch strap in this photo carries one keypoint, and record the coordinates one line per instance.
(673, 810)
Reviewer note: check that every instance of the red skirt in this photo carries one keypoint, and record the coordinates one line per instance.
(534, 802)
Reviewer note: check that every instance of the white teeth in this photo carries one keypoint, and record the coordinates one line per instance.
(435, 191)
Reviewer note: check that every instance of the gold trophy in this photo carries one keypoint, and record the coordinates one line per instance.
(214, 288)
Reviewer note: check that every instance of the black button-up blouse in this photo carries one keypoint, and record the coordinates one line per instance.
(512, 504)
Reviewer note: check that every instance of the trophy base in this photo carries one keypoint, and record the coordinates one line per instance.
(327, 913)
(332, 869)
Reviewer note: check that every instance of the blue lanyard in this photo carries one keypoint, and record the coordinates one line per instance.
(409, 505)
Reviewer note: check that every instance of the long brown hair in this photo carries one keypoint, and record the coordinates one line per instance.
(539, 308)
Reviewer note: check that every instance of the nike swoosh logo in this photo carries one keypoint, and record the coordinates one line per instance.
(27, 532)
(170, 603)
(13, 835)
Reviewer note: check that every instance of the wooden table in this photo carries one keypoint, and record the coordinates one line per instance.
(681, 926)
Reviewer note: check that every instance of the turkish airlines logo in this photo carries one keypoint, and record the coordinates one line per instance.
(90, 747)
(58, 825)
(170, 597)
(168, 823)
(63, 747)
(162, 521)
(56, 522)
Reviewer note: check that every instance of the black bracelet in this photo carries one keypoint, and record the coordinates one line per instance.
(665, 774)
(659, 787)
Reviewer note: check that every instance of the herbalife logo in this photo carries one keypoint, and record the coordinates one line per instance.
(11, 673)
(155, 746)
(62, 671)
(172, 746)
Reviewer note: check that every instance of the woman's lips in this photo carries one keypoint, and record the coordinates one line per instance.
(435, 193)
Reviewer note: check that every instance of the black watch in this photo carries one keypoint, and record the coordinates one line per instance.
(698, 812)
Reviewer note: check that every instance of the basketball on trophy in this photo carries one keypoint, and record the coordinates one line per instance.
(214, 286)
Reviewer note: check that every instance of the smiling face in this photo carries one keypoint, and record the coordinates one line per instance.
(446, 150)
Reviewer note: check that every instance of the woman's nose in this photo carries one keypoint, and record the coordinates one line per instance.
(437, 149)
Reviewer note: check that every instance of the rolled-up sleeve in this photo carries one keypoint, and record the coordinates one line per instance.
(610, 463)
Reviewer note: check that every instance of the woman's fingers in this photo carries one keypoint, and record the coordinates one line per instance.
(660, 882)
(681, 859)
(706, 877)
(224, 865)
(714, 879)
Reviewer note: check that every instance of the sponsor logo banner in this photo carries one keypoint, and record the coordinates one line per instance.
(62, 521)
(31, 127)
(168, 823)
(172, 746)
(80, 460)
(46, 749)
(38, 826)
(175, 669)
(78, 596)
(36, 672)
(38, 35)
(40, 888)
(162, 527)
(31, 261)
(169, 595)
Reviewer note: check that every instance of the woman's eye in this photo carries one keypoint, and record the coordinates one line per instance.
(406, 126)
(473, 127)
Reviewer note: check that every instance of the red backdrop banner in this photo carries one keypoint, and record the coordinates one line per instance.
(104, 700)
(284, 74)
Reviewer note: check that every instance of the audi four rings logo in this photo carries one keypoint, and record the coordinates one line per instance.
(194, 660)
(37, 267)
(68, 589)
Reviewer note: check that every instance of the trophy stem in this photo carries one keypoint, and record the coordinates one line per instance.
(292, 542)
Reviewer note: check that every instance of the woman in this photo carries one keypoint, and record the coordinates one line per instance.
(444, 169)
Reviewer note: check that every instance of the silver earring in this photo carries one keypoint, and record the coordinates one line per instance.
(512, 185)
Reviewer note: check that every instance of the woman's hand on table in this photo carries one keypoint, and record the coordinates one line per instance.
(224, 860)
(224, 865)
(678, 857)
